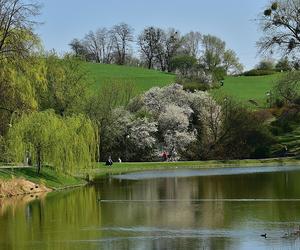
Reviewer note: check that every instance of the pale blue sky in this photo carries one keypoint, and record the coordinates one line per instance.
(231, 20)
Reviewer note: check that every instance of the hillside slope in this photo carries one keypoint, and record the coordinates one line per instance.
(143, 79)
(245, 88)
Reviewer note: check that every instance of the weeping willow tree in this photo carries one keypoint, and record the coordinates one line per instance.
(68, 144)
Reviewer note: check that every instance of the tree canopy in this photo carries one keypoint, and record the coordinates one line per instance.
(64, 143)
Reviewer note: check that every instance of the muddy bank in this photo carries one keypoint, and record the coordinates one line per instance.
(15, 187)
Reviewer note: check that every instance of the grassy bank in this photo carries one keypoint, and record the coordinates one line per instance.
(47, 177)
(56, 181)
(118, 168)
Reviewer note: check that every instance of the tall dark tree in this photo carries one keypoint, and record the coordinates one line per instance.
(148, 42)
(78, 48)
(173, 43)
(122, 36)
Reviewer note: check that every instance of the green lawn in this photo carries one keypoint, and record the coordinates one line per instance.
(143, 79)
(245, 88)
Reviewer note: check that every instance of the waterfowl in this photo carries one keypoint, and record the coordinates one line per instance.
(264, 235)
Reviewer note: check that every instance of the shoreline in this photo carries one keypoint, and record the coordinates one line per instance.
(52, 181)
(122, 168)
(49, 179)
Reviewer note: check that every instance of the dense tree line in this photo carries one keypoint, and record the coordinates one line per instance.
(157, 48)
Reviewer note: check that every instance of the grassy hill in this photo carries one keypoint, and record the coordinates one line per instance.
(245, 88)
(143, 79)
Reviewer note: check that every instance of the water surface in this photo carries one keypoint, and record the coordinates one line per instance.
(182, 209)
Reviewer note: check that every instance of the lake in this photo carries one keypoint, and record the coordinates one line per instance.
(226, 208)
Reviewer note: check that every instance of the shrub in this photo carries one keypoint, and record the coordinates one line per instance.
(287, 88)
(219, 74)
(192, 86)
(183, 64)
(284, 122)
(259, 72)
(244, 134)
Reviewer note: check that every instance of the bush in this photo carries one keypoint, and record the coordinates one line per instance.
(184, 64)
(287, 88)
(283, 65)
(285, 121)
(192, 86)
(259, 72)
(244, 134)
(219, 74)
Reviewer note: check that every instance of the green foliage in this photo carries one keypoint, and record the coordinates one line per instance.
(19, 83)
(100, 105)
(287, 88)
(244, 135)
(183, 64)
(266, 65)
(67, 85)
(192, 86)
(66, 143)
(259, 72)
(219, 74)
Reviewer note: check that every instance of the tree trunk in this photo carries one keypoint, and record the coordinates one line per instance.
(39, 159)
(150, 64)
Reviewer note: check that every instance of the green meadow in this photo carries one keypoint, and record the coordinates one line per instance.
(143, 79)
(242, 88)
(245, 88)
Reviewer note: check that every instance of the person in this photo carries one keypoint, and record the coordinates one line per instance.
(120, 161)
(285, 151)
(164, 156)
(109, 161)
(174, 154)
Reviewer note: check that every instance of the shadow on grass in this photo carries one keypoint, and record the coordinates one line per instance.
(32, 174)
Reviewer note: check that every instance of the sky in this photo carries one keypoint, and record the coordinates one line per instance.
(232, 20)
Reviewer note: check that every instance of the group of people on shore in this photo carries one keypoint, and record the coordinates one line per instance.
(165, 155)
(169, 156)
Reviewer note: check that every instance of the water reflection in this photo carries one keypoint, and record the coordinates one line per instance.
(164, 213)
